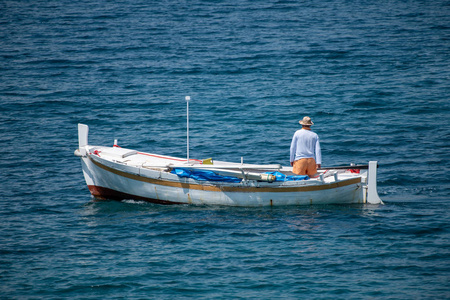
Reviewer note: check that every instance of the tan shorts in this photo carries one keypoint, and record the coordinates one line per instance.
(305, 166)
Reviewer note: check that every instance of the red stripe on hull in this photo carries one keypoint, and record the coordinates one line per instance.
(109, 194)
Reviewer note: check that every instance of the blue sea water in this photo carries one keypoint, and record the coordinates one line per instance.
(373, 76)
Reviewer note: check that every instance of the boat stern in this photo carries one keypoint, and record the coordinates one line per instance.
(372, 193)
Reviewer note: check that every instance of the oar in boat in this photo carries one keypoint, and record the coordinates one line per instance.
(246, 171)
(219, 166)
(355, 167)
(242, 174)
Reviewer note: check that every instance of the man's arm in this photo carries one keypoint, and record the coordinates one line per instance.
(293, 149)
(318, 154)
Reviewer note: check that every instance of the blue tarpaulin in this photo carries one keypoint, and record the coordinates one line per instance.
(206, 175)
(282, 177)
(203, 175)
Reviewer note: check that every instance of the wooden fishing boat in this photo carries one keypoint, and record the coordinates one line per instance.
(117, 173)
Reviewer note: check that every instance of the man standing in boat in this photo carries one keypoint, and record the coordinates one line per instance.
(306, 156)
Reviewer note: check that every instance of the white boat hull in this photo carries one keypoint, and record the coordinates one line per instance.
(117, 174)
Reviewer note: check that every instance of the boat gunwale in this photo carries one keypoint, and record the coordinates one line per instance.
(221, 186)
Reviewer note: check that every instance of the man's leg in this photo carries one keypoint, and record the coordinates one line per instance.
(300, 166)
(311, 168)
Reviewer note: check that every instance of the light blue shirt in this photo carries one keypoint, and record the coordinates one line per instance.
(305, 144)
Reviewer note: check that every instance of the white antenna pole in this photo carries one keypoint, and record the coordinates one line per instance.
(188, 98)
